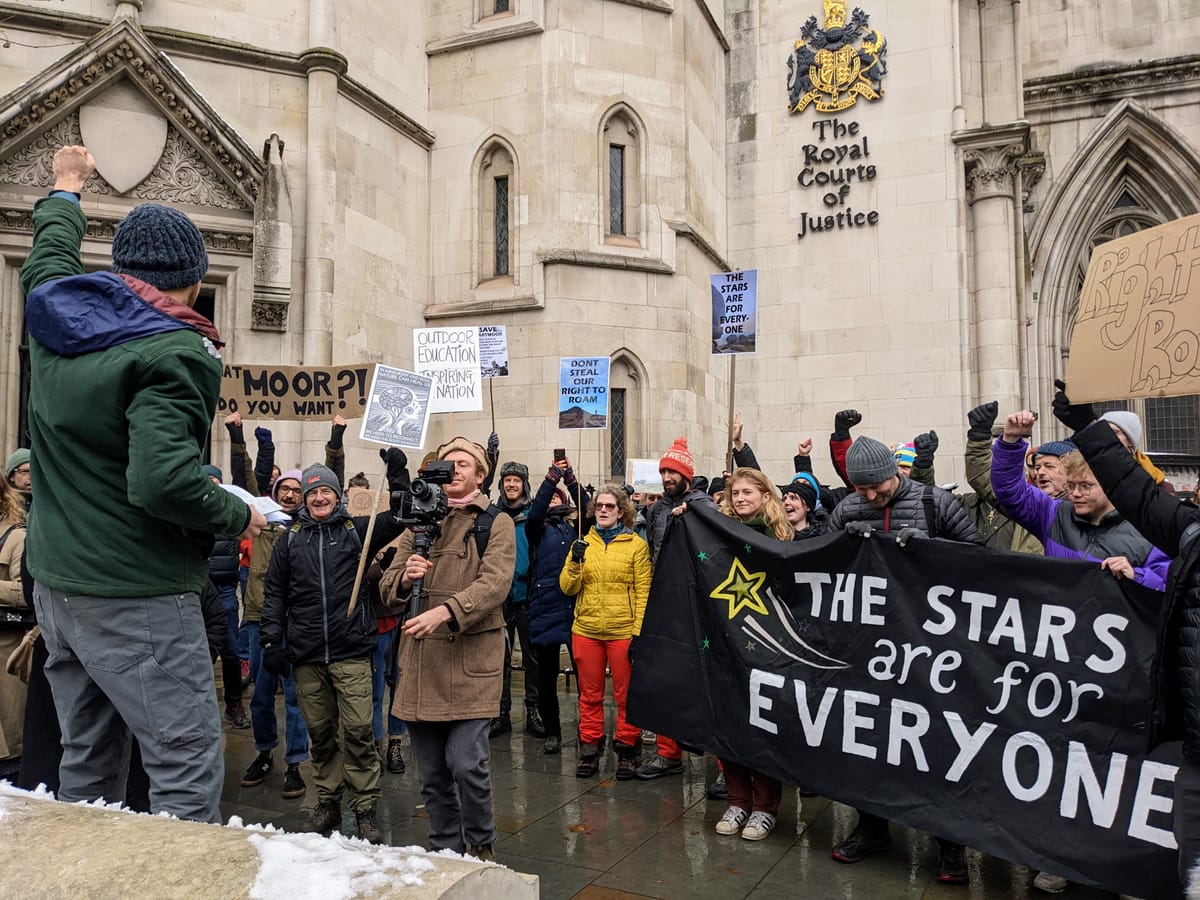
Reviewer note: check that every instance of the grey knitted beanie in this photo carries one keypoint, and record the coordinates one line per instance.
(869, 462)
(316, 476)
(160, 246)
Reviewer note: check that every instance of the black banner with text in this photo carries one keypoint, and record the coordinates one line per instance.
(995, 699)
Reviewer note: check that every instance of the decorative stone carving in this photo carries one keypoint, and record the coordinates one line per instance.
(1112, 81)
(31, 165)
(1032, 167)
(272, 243)
(990, 171)
(125, 133)
(268, 315)
(103, 229)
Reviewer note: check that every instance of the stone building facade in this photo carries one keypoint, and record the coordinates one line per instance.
(576, 169)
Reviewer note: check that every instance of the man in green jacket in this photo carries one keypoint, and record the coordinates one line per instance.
(125, 377)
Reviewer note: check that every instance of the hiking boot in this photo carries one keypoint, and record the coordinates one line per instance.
(589, 761)
(502, 724)
(649, 737)
(533, 722)
(236, 716)
(716, 790)
(732, 820)
(245, 674)
(553, 745)
(365, 826)
(658, 767)
(482, 852)
(395, 756)
(325, 818)
(293, 784)
(860, 844)
(1051, 884)
(952, 867)
(758, 827)
(627, 762)
(258, 770)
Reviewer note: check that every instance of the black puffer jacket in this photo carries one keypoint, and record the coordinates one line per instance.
(1173, 527)
(658, 516)
(225, 560)
(308, 586)
(907, 510)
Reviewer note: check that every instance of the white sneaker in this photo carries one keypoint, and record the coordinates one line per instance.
(760, 825)
(732, 821)
(1051, 884)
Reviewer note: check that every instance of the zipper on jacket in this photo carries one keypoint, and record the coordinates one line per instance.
(324, 597)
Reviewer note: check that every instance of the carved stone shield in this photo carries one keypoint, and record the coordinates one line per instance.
(125, 133)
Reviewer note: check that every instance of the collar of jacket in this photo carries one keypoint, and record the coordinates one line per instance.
(339, 513)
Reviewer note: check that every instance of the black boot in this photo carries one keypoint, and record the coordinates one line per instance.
(366, 826)
(325, 818)
(533, 722)
(502, 724)
(589, 761)
(395, 757)
(627, 761)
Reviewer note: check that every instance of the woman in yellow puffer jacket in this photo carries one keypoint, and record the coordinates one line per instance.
(610, 572)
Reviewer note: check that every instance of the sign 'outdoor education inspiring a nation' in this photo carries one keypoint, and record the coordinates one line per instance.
(830, 69)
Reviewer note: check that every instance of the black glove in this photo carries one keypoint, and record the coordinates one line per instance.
(335, 436)
(843, 422)
(397, 468)
(554, 474)
(1076, 416)
(262, 435)
(275, 661)
(860, 529)
(980, 421)
(632, 644)
(235, 433)
(493, 446)
(904, 535)
(578, 548)
(926, 446)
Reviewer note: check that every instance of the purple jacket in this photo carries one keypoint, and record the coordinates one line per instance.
(1064, 534)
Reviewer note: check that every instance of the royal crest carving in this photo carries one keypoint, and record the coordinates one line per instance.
(825, 67)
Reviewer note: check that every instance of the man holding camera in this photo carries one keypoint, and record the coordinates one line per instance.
(452, 653)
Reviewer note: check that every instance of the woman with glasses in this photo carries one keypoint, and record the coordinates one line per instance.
(609, 572)
(1082, 525)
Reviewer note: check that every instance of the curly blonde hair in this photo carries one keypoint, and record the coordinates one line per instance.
(773, 513)
(12, 507)
(624, 504)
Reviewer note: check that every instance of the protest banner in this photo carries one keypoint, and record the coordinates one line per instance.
(994, 699)
(583, 392)
(1137, 330)
(450, 357)
(397, 409)
(294, 392)
(643, 475)
(734, 312)
(493, 351)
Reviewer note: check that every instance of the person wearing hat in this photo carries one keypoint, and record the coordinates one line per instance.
(515, 501)
(17, 474)
(677, 469)
(551, 527)
(801, 503)
(1045, 461)
(884, 502)
(314, 624)
(120, 410)
(452, 652)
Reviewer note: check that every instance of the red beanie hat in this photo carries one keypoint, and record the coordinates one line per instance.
(678, 459)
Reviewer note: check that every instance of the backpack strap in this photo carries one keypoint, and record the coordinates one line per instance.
(482, 529)
(930, 511)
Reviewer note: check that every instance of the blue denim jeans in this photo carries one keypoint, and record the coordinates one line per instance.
(381, 662)
(235, 639)
(262, 707)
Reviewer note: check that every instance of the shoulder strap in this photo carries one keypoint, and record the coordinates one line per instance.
(295, 529)
(930, 511)
(482, 529)
(4, 537)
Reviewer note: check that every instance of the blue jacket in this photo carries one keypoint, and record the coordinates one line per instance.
(520, 583)
(551, 612)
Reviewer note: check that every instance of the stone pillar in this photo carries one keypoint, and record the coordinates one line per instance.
(992, 182)
(324, 68)
(272, 244)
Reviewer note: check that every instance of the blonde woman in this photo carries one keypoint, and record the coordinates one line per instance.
(752, 796)
(609, 571)
(16, 618)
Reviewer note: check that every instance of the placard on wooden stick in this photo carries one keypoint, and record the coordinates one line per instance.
(1137, 331)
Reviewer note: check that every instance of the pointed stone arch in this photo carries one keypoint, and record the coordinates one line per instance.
(496, 177)
(1134, 171)
(627, 432)
(622, 129)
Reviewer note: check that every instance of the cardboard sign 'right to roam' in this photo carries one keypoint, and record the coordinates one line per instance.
(1137, 333)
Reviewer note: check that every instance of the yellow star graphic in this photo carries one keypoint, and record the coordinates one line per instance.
(741, 590)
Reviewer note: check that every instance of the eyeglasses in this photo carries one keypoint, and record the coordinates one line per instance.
(287, 489)
(1084, 487)
(606, 506)
(21, 470)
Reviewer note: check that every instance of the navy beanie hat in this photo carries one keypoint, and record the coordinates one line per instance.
(160, 246)
(212, 472)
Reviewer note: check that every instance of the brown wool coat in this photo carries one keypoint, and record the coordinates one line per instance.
(451, 675)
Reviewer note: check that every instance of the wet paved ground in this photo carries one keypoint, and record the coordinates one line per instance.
(600, 839)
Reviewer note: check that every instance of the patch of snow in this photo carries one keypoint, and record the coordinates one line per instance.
(311, 867)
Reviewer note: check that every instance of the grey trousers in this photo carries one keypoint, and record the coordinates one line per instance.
(456, 782)
(140, 665)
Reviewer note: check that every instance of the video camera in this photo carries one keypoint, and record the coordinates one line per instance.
(425, 503)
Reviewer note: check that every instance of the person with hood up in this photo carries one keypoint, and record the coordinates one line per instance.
(515, 502)
(312, 621)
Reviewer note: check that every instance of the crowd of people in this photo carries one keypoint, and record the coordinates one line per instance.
(384, 632)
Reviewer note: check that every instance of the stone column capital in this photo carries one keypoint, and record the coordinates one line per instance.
(991, 171)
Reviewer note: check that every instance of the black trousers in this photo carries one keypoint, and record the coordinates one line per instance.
(517, 626)
(547, 675)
